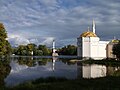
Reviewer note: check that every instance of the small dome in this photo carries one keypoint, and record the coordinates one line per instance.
(88, 34)
(114, 41)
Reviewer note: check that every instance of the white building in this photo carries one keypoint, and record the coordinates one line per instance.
(90, 46)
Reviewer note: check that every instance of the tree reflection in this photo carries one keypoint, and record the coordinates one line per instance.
(42, 61)
(26, 61)
(30, 61)
(113, 71)
(68, 61)
(4, 71)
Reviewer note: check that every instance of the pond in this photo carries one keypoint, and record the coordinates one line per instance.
(22, 69)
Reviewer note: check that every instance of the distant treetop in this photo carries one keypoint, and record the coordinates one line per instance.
(1, 26)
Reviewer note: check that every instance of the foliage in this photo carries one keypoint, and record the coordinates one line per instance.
(5, 47)
(68, 50)
(116, 50)
(43, 50)
(32, 49)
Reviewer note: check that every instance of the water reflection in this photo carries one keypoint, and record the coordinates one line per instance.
(113, 71)
(53, 63)
(22, 70)
(29, 68)
(93, 71)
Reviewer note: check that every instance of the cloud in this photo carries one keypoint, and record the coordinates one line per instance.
(63, 20)
(48, 41)
(16, 40)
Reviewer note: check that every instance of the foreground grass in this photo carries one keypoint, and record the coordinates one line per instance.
(106, 83)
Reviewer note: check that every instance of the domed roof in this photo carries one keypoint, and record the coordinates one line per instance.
(88, 34)
(114, 41)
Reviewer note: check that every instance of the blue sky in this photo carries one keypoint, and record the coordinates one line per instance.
(41, 21)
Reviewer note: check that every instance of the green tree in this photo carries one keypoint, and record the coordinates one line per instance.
(5, 47)
(44, 50)
(116, 50)
(31, 48)
(21, 50)
(68, 50)
(38, 52)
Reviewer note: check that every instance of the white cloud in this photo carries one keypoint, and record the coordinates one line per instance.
(48, 41)
(40, 20)
(16, 40)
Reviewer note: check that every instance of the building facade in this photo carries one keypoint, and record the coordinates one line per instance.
(90, 46)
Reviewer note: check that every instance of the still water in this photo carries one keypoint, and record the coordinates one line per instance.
(22, 69)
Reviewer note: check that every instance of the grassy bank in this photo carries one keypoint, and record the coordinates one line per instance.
(106, 83)
(107, 62)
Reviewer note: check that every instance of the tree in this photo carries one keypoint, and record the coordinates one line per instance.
(21, 50)
(31, 48)
(5, 47)
(44, 49)
(68, 50)
(116, 50)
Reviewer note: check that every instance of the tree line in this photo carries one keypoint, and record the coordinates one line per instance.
(32, 49)
(43, 50)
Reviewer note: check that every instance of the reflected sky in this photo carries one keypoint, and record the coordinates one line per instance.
(54, 68)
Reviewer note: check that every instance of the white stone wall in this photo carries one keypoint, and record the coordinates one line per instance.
(94, 47)
(85, 46)
(91, 47)
(102, 49)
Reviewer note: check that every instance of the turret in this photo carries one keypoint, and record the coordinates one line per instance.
(93, 26)
(54, 53)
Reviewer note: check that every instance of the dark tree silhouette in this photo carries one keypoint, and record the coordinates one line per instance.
(116, 50)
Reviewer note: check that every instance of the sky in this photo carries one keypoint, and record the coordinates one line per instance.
(41, 21)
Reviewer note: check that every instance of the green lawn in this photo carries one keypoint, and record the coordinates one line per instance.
(106, 83)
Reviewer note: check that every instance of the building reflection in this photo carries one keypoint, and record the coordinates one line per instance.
(95, 71)
(53, 62)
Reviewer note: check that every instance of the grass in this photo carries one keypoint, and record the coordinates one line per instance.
(107, 62)
(106, 83)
